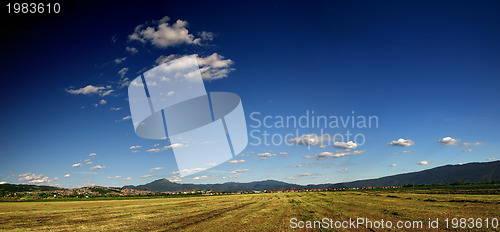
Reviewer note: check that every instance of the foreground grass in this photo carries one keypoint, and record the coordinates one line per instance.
(255, 212)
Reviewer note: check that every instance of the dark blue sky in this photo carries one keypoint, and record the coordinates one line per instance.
(427, 69)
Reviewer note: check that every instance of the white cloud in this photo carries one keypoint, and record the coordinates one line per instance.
(88, 162)
(3, 182)
(344, 145)
(325, 155)
(393, 165)
(119, 60)
(76, 165)
(285, 154)
(31, 178)
(135, 147)
(122, 72)
(296, 166)
(212, 67)
(322, 146)
(310, 139)
(401, 142)
(128, 178)
(473, 144)
(91, 90)
(92, 154)
(175, 145)
(203, 177)
(115, 108)
(423, 162)
(132, 50)
(127, 118)
(193, 170)
(239, 171)
(491, 159)
(97, 167)
(67, 175)
(146, 176)
(467, 150)
(448, 141)
(170, 93)
(205, 35)
(162, 35)
(236, 161)
(116, 177)
(103, 102)
(154, 150)
(298, 176)
(265, 155)
(155, 169)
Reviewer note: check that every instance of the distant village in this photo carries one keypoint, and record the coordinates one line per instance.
(99, 191)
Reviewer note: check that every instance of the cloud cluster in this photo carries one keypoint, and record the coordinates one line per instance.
(326, 155)
(344, 145)
(448, 141)
(91, 90)
(163, 35)
(265, 155)
(236, 161)
(39, 179)
(310, 139)
(212, 67)
(402, 142)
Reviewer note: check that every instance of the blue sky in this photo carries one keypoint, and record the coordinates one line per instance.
(427, 70)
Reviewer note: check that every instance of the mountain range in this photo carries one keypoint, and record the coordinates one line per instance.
(471, 172)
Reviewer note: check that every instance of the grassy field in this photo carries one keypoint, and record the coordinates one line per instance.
(253, 212)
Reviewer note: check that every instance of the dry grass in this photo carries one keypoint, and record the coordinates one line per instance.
(256, 212)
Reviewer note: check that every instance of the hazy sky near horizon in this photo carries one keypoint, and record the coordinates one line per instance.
(424, 73)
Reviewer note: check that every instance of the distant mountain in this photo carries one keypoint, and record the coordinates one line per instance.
(471, 172)
(164, 185)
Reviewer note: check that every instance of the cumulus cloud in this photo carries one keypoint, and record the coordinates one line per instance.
(192, 170)
(171, 146)
(39, 179)
(92, 154)
(448, 141)
(394, 165)
(239, 171)
(204, 177)
(212, 67)
(491, 159)
(322, 146)
(132, 50)
(127, 118)
(91, 90)
(310, 139)
(423, 162)
(325, 155)
(265, 155)
(103, 102)
(97, 167)
(298, 176)
(285, 154)
(236, 161)
(401, 142)
(67, 175)
(135, 147)
(115, 108)
(76, 165)
(344, 145)
(162, 35)
(154, 150)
